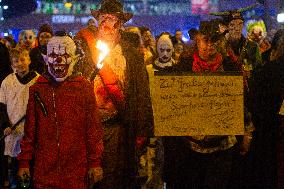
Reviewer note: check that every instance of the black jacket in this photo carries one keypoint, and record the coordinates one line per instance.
(5, 63)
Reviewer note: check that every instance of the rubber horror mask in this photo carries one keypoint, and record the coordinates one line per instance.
(60, 57)
(165, 49)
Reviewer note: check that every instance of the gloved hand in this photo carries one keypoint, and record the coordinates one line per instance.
(95, 174)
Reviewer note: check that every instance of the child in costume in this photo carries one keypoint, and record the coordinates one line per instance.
(14, 94)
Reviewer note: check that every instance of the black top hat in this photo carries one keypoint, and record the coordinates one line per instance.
(112, 7)
(228, 16)
(233, 15)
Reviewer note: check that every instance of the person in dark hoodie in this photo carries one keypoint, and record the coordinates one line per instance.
(37, 62)
(5, 69)
(268, 97)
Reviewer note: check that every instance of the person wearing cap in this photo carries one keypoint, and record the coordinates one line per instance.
(37, 63)
(122, 93)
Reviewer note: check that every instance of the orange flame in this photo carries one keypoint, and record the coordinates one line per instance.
(104, 50)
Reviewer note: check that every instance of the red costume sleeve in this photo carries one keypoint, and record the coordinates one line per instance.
(111, 81)
(28, 141)
(108, 75)
(94, 131)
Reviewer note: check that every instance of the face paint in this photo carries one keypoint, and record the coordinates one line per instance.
(202, 45)
(165, 48)
(257, 34)
(60, 57)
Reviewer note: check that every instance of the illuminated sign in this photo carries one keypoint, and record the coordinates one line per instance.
(63, 19)
(199, 6)
(69, 19)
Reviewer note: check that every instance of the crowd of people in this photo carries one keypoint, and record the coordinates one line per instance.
(69, 119)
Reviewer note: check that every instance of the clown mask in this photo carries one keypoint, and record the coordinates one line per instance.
(165, 48)
(27, 39)
(60, 57)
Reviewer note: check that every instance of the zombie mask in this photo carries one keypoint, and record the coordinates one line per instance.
(165, 48)
(60, 57)
(256, 31)
(27, 39)
(235, 29)
(109, 24)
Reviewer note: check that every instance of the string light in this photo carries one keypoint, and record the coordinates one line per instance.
(68, 4)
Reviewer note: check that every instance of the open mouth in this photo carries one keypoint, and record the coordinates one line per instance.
(59, 70)
(165, 58)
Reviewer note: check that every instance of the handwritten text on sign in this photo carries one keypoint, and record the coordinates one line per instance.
(198, 105)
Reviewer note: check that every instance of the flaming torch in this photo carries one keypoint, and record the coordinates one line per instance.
(104, 50)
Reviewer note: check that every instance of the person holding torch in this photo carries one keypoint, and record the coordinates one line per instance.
(122, 92)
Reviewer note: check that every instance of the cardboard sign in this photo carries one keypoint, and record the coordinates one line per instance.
(197, 105)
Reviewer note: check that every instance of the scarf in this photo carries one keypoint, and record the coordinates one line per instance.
(200, 65)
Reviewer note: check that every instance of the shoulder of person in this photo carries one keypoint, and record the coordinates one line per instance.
(10, 78)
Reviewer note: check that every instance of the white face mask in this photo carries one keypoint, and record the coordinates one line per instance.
(165, 49)
(60, 57)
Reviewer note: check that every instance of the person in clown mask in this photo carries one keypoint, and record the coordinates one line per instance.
(63, 129)
(27, 40)
(151, 159)
(165, 51)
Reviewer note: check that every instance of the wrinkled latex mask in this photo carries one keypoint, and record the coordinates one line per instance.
(108, 24)
(165, 48)
(60, 57)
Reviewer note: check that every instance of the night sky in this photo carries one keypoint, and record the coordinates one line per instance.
(18, 7)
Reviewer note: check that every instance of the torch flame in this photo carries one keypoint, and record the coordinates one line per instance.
(104, 50)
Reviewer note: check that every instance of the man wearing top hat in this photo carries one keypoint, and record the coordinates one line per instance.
(122, 92)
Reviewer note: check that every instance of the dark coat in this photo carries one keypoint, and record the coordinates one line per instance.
(5, 63)
(138, 111)
(267, 100)
(37, 62)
